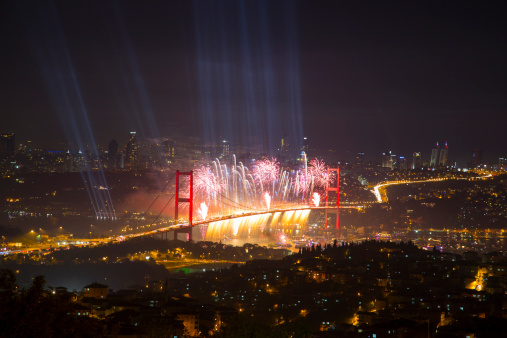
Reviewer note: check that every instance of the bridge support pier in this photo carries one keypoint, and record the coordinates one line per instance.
(337, 189)
(187, 231)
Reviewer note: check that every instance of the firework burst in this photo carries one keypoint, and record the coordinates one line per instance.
(233, 187)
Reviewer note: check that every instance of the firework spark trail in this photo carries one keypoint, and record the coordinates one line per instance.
(267, 199)
(203, 211)
(316, 199)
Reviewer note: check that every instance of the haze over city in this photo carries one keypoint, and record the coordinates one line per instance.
(351, 77)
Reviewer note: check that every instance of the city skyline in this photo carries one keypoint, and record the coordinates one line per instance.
(435, 157)
(398, 77)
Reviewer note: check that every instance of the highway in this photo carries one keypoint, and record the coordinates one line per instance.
(380, 189)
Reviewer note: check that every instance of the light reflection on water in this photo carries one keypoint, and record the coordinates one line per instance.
(256, 227)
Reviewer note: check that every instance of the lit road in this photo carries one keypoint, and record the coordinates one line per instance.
(172, 264)
(380, 189)
(181, 226)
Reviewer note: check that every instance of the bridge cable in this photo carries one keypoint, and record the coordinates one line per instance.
(158, 216)
(156, 198)
(160, 193)
(165, 206)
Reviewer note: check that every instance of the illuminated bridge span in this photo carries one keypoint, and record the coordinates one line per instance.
(243, 199)
(290, 220)
(265, 196)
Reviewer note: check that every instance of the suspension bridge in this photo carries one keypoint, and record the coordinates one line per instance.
(278, 216)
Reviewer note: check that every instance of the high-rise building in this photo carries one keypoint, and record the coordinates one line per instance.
(434, 156)
(169, 150)
(416, 161)
(224, 148)
(132, 151)
(477, 158)
(120, 160)
(402, 163)
(7, 144)
(444, 154)
(69, 159)
(305, 145)
(112, 150)
(360, 158)
(387, 160)
(284, 149)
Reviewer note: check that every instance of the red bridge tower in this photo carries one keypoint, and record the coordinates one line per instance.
(189, 200)
(337, 189)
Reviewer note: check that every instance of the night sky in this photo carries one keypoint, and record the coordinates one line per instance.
(353, 77)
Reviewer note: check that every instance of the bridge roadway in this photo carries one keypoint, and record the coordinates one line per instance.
(85, 242)
(185, 226)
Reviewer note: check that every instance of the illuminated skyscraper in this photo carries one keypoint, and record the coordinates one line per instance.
(444, 153)
(416, 161)
(7, 144)
(360, 158)
(132, 150)
(434, 157)
(225, 148)
(284, 149)
(402, 163)
(387, 160)
(477, 158)
(169, 150)
(305, 145)
(112, 150)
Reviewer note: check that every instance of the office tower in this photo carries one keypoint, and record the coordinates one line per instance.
(477, 158)
(305, 145)
(224, 148)
(112, 150)
(444, 153)
(387, 160)
(169, 150)
(120, 160)
(7, 144)
(434, 157)
(80, 163)
(402, 163)
(416, 161)
(69, 161)
(360, 158)
(132, 151)
(284, 149)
